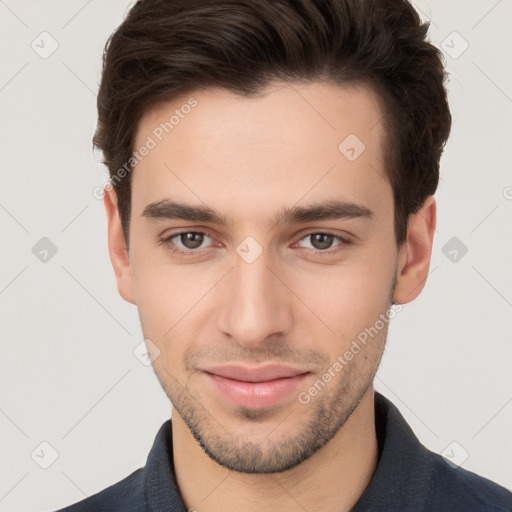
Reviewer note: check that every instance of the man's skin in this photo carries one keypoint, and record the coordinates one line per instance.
(248, 159)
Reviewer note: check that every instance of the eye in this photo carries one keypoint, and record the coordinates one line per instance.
(321, 242)
(185, 242)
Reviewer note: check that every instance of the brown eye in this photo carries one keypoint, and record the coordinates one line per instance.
(191, 240)
(321, 241)
(185, 242)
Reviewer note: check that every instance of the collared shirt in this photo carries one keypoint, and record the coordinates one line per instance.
(408, 477)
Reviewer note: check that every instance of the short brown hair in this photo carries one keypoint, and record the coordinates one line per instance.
(166, 48)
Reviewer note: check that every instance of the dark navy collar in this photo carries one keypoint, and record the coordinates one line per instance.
(404, 473)
(160, 488)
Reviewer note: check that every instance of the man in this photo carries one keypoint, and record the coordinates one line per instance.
(270, 207)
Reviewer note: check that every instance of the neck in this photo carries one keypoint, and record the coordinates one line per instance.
(332, 479)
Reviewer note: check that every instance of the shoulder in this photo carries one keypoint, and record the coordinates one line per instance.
(410, 477)
(127, 495)
(454, 488)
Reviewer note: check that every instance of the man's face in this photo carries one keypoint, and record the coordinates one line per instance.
(254, 292)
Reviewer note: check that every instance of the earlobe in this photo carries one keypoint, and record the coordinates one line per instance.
(117, 246)
(415, 253)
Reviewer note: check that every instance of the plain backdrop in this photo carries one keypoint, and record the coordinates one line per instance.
(76, 398)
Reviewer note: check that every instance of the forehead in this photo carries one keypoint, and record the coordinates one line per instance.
(292, 141)
(221, 113)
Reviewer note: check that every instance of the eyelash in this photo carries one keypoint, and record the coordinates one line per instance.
(167, 243)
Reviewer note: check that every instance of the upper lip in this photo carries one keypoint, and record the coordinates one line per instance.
(259, 374)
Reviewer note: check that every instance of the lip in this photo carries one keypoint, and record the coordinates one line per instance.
(258, 374)
(254, 387)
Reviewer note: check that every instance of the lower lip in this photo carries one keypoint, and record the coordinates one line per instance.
(255, 395)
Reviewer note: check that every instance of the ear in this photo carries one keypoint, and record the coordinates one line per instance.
(414, 255)
(117, 246)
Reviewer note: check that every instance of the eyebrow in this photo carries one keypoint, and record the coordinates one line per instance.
(324, 210)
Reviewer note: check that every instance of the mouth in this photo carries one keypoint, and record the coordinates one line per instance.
(254, 388)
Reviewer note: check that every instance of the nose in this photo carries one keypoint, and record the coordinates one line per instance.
(255, 304)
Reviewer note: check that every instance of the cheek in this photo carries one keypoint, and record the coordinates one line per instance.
(163, 308)
(347, 298)
(170, 300)
(158, 291)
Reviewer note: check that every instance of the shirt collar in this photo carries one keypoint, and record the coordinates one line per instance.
(403, 474)
(160, 488)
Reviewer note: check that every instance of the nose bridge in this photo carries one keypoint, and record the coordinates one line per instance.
(255, 304)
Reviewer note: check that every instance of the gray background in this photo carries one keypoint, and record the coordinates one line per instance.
(68, 373)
